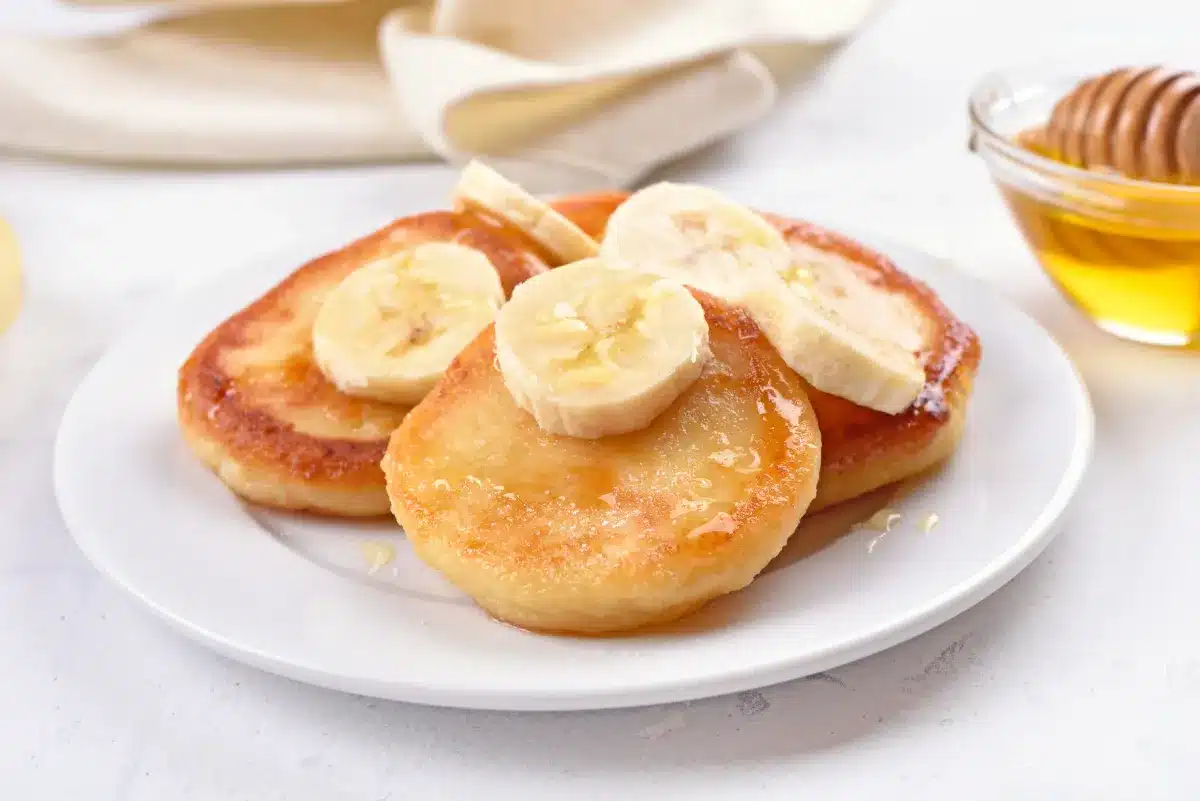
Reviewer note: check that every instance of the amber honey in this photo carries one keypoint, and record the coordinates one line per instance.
(1137, 285)
(1135, 278)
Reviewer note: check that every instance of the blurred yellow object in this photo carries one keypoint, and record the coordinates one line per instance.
(10, 276)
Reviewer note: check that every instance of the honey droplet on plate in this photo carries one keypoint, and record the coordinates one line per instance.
(882, 521)
(378, 554)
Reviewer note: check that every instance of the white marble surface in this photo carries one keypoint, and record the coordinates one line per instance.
(1079, 680)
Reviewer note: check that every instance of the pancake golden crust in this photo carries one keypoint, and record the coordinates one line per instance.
(254, 407)
(865, 449)
(587, 536)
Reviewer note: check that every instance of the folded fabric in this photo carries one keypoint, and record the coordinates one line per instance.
(562, 94)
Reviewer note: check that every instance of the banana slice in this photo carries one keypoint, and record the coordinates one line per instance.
(697, 235)
(835, 357)
(596, 348)
(481, 187)
(390, 329)
(702, 238)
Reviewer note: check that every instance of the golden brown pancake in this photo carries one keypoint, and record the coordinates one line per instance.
(564, 534)
(255, 408)
(865, 449)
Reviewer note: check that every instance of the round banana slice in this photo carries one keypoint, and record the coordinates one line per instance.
(390, 329)
(596, 348)
(706, 240)
(481, 187)
(697, 235)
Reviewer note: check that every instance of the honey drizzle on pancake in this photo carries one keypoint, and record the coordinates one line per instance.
(851, 432)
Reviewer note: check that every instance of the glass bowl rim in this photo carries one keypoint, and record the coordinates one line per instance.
(983, 134)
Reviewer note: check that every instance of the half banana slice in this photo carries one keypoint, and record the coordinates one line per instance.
(596, 348)
(390, 329)
(702, 238)
(481, 187)
(852, 362)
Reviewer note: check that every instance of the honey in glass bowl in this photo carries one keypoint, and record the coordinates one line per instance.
(1116, 229)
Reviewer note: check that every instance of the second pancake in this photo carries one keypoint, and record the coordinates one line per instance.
(255, 408)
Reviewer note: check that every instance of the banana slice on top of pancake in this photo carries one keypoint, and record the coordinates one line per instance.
(570, 535)
(482, 188)
(701, 237)
(389, 329)
(697, 234)
(597, 348)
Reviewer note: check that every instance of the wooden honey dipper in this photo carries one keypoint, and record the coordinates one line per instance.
(1142, 122)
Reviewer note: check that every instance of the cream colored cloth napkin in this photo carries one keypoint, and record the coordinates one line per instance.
(561, 94)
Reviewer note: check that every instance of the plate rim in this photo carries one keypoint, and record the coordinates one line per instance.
(933, 612)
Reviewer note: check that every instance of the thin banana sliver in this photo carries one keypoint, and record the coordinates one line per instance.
(481, 187)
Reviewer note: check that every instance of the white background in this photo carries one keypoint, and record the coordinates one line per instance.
(1079, 680)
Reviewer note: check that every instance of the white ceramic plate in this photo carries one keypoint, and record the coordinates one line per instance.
(294, 596)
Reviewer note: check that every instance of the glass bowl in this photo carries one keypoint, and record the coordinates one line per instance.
(1125, 252)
